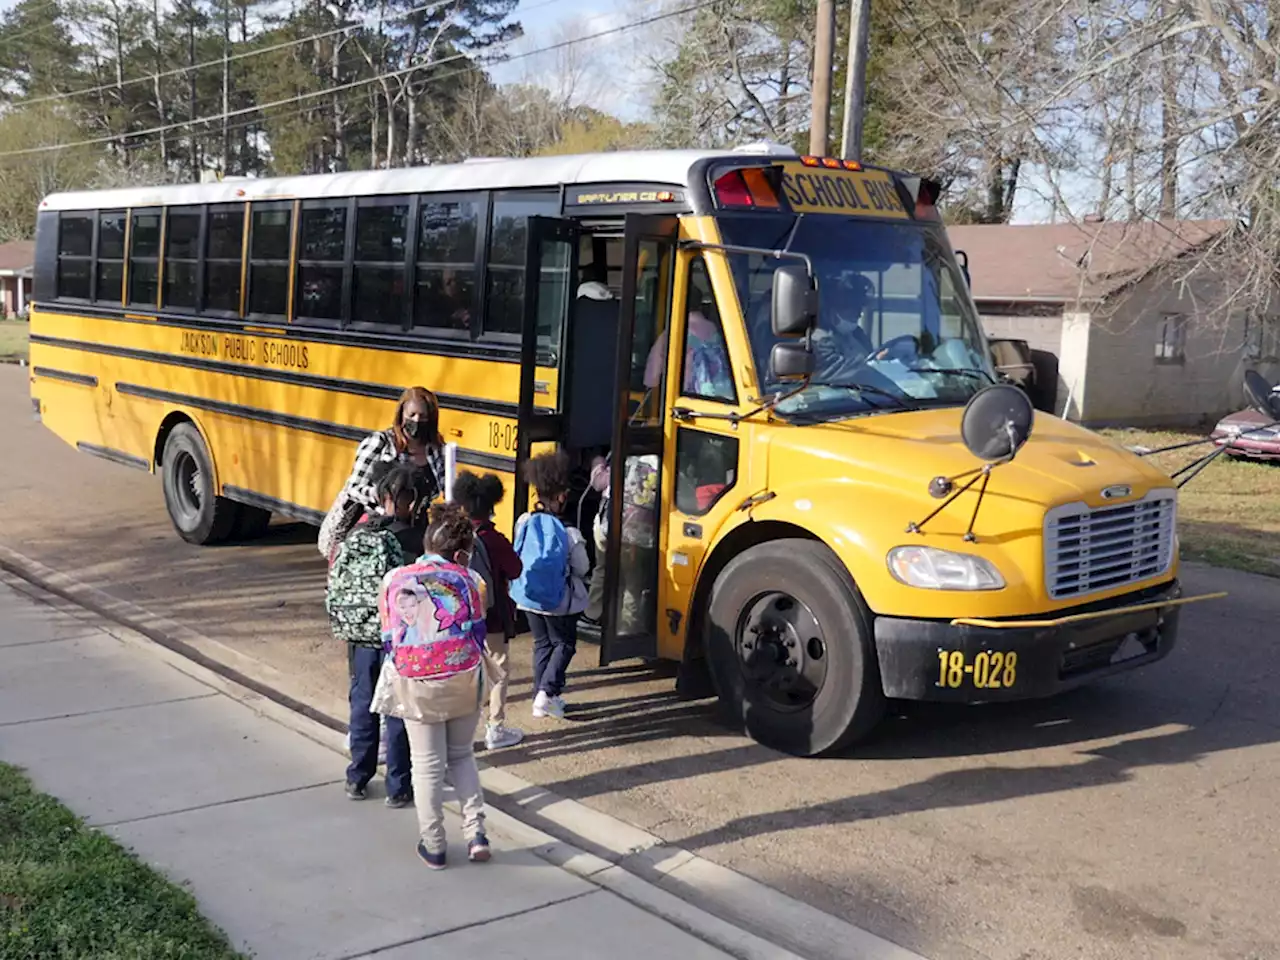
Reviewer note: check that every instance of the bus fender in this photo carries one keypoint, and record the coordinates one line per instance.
(171, 419)
(796, 510)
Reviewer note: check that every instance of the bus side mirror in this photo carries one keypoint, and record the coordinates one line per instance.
(963, 259)
(795, 301)
(791, 361)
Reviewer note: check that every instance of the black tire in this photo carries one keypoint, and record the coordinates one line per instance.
(779, 670)
(198, 514)
(251, 523)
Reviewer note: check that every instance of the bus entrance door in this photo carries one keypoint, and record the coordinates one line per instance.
(636, 535)
(550, 275)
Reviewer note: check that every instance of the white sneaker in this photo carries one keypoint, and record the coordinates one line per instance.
(547, 706)
(496, 736)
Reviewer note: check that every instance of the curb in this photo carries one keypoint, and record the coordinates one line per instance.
(741, 916)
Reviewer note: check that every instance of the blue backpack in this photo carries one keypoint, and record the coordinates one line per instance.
(543, 547)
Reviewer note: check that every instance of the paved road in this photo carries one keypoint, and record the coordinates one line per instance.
(1132, 819)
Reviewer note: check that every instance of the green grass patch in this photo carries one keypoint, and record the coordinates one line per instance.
(68, 891)
(13, 339)
(1229, 514)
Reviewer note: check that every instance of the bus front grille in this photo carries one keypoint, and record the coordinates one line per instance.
(1089, 549)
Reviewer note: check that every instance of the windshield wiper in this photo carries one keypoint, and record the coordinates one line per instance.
(902, 399)
(975, 372)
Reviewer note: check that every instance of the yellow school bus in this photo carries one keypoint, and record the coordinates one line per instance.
(820, 497)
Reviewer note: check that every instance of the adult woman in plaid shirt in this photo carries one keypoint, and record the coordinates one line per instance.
(414, 438)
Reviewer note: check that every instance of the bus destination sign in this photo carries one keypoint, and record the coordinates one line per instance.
(864, 193)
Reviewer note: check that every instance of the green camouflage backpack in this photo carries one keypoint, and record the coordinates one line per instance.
(367, 554)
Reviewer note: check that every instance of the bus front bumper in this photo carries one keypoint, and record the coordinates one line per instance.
(982, 661)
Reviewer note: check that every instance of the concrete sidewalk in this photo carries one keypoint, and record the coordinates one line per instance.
(217, 789)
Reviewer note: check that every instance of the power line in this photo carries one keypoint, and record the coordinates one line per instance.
(178, 71)
(28, 32)
(330, 91)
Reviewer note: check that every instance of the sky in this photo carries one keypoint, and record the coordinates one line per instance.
(609, 64)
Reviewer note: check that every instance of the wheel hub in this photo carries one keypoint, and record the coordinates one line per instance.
(782, 651)
(189, 486)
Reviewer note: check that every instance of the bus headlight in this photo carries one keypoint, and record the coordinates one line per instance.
(932, 569)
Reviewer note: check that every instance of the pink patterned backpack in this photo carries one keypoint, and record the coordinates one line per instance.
(432, 616)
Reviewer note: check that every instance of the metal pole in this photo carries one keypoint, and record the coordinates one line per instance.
(855, 84)
(823, 48)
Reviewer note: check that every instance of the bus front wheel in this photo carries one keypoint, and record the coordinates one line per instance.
(198, 514)
(789, 645)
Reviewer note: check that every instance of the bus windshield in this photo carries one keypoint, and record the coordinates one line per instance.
(896, 330)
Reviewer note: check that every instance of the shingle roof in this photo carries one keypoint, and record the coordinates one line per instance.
(1073, 261)
(18, 255)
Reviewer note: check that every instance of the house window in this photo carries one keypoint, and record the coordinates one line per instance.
(1262, 338)
(1171, 343)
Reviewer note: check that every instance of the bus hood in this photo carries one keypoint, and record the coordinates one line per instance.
(1061, 462)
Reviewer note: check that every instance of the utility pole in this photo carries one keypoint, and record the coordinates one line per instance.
(855, 83)
(823, 50)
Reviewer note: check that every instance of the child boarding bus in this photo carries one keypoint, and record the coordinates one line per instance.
(825, 499)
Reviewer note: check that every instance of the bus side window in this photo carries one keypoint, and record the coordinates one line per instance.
(705, 368)
(378, 283)
(505, 282)
(270, 239)
(706, 469)
(144, 258)
(182, 258)
(448, 233)
(75, 255)
(109, 279)
(223, 250)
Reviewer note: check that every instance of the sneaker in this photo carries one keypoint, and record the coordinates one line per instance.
(496, 736)
(355, 791)
(399, 801)
(478, 849)
(436, 861)
(548, 706)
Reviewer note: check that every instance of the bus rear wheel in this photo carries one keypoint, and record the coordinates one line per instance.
(789, 646)
(198, 514)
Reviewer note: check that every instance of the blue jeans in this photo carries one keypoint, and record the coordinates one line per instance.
(555, 640)
(365, 663)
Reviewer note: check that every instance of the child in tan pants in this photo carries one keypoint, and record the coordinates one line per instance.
(479, 496)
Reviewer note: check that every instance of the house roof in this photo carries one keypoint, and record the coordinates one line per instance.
(18, 256)
(1073, 261)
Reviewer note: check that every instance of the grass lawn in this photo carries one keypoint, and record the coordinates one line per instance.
(67, 891)
(1229, 514)
(13, 338)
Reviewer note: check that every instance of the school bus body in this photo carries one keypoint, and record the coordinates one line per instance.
(784, 577)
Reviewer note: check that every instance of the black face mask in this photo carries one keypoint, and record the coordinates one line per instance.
(413, 429)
